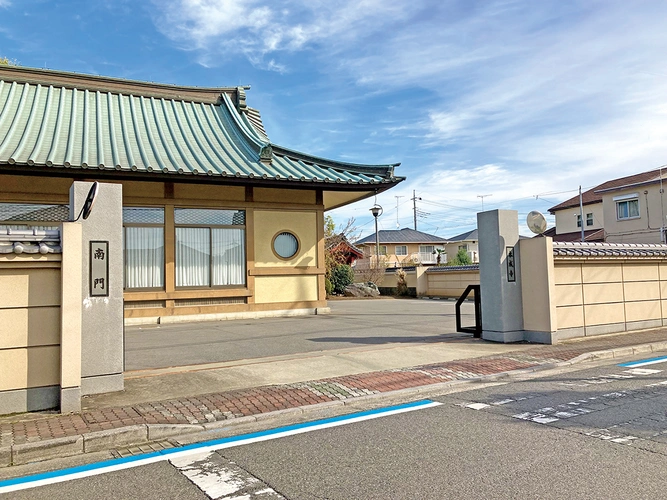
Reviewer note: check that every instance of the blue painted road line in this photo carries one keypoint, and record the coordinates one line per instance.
(58, 476)
(644, 362)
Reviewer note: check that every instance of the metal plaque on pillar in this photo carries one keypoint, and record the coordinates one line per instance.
(99, 268)
(511, 265)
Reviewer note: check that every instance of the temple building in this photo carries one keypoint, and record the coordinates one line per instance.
(217, 221)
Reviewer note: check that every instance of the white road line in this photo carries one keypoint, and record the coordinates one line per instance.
(477, 406)
(95, 469)
(644, 362)
(221, 478)
(642, 371)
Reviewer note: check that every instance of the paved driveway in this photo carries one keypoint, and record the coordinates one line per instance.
(352, 324)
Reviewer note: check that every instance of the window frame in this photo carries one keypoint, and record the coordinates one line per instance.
(164, 248)
(431, 252)
(210, 227)
(401, 254)
(273, 244)
(627, 203)
(589, 219)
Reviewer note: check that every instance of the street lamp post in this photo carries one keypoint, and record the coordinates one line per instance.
(377, 211)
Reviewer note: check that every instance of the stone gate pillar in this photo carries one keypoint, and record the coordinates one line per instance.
(500, 276)
(102, 287)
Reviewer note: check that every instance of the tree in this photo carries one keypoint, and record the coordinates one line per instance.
(440, 252)
(5, 61)
(334, 254)
(341, 276)
(401, 282)
(462, 258)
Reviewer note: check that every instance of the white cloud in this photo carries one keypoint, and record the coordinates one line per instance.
(5, 3)
(256, 29)
(513, 97)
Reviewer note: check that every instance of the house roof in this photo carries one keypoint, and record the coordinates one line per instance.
(405, 235)
(592, 235)
(594, 195)
(65, 122)
(340, 240)
(467, 236)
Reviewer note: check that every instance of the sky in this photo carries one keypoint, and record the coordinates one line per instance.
(506, 104)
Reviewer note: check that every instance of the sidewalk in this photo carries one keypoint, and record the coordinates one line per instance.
(33, 437)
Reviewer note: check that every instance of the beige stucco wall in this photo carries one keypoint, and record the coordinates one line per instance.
(272, 195)
(537, 275)
(390, 279)
(268, 223)
(566, 220)
(645, 228)
(30, 296)
(450, 283)
(605, 296)
(273, 289)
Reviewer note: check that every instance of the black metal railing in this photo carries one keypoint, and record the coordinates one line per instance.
(477, 329)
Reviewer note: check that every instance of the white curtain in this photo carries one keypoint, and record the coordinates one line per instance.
(228, 257)
(144, 257)
(286, 245)
(193, 247)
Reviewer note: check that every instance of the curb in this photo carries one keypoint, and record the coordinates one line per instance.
(140, 434)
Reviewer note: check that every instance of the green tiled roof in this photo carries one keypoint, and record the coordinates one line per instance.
(67, 121)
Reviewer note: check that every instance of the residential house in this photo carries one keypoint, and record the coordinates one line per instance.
(216, 219)
(468, 241)
(629, 209)
(400, 247)
(343, 249)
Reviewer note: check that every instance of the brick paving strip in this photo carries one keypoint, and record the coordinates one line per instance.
(33, 437)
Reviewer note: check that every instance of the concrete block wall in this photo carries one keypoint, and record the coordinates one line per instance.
(450, 283)
(601, 296)
(30, 299)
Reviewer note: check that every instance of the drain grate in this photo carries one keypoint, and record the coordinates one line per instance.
(143, 448)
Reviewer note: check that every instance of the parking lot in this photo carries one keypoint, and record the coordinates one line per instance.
(352, 325)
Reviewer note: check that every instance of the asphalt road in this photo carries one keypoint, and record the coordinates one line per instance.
(582, 433)
(352, 323)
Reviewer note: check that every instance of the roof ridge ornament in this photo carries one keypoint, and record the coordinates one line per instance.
(240, 100)
(266, 154)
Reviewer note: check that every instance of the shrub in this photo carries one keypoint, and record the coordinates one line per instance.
(328, 286)
(401, 282)
(341, 276)
(461, 259)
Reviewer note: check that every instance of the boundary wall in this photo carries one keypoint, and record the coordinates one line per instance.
(440, 281)
(567, 290)
(60, 339)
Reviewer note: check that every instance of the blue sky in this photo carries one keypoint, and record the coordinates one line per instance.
(520, 100)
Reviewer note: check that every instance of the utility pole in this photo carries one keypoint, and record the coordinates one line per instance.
(414, 206)
(662, 210)
(581, 215)
(398, 226)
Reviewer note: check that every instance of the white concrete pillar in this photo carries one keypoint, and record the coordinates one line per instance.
(102, 349)
(500, 276)
(70, 318)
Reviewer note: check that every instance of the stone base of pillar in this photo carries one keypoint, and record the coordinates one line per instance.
(70, 399)
(504, 337)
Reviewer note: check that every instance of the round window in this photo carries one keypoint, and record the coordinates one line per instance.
(285, 245)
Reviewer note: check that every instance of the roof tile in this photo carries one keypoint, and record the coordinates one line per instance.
(151, 132)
